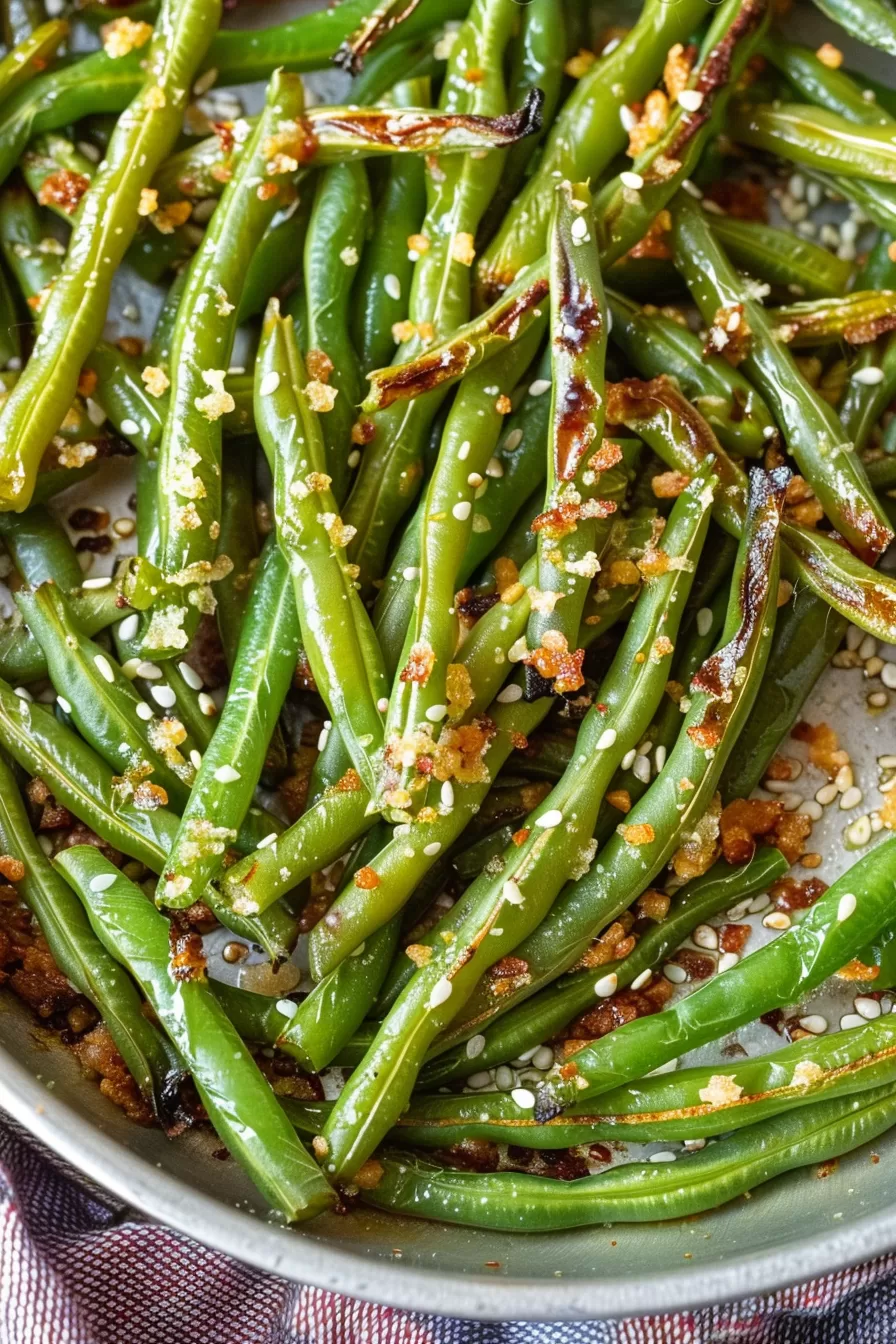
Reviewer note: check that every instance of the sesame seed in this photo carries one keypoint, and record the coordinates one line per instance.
(144, 711)
(96, 583)
(579, 227)
(543, 1058)
(195, 758)
(867, 1008)
(606, 985)
(539, 387)
(163, 695)
(523, 1098)
(102, 881)
(850, 798)
(268, 840)
(850, 1020)
(432, 849)
(727, 960)
(225, 774)
(706, 936)
(104, 667)
(382, 704)
(815, 1024)
(392, 286)
(777, 920)
(643, 979)
(665, 1156)
(149, 671)
(633, 180)
(511, 893)
(207, 704)
(436, 713)
(128, 627)
(446, 796)
(691, 100)
(606, 739)
(870, 376)
(462, 510)
(410, 572)
(63, 704)
(510, 694)
(676, 974)
(846, 906)
(287, 1007)
(441, 992)
(549, 819)
(704, 621)
(190, 676)
(475, 1046)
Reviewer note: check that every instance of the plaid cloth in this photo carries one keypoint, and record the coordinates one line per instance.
(74, 1270)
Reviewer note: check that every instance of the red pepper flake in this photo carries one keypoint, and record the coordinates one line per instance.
(366, 878)
(521, 836)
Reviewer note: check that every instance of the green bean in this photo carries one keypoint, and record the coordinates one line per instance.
(567, 529)
(30, 55)
(189, 479)
(499, 910)
(816, 138)
(670, 1106)
(656, 344)
(381, 301)
(636, 1191)
(342, 650)
(222, 791)
(73, 316)
(10, 341)
(677, 799)
(850, 913)
(276, 259)
(32, 255)
(781, 258)
(811, 429)
(547, 1013)
(585, 136)
(105, 708)
(83, 783)
(864, 402)
(239, 541)
(817, 83)
(40, 549)
(81, 957)
(870, 21)
(340, 221)
(856, 318)
(239, 1102)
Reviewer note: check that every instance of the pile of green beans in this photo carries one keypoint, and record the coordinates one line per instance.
(463, 615)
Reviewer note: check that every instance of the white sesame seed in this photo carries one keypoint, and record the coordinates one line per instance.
(676, 974)
(579, 227)
(226, 774)
(704, 621)
(539, 387)
(129, 426)
(475, 1046)
(846, 906)
(850, 1020)
(207, 704)
(870, 376)
(436, 713)
(692, 189)
(815, 1024)
(392, 286)
(287, 1007)
(706, 936)
(268, 840)
(812, 810)
(494, 468)
(778, 919)
(63, 704)
(643, 979)
(888, 675)
(727, 960)
(510, 694)
(432, 849)
(691, 100)
(149, 671)
(633, 180)
(659, 757)
(144, 711)
(851, 798)
(104, 667)
(641, 769)
(511, 892)
(463, 451)
(859, 832)
(163, 695)
(128, 627)
(549, 819)
(462, 510)
(96, 583)
(504, 1077)
(446, 796)
(868, 648)
(665, 1156)
(479, 1080)
(606, 985)
(606, 739)
(826, 794)
(523, 1098)
(866, 1007)
(543, 1058)
(102, 881)
(382, 704)
(628, 759)
(190, 676)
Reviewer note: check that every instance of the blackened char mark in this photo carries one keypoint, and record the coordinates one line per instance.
(350, 55)
(715, 73)
(398, 130)
(717, 675)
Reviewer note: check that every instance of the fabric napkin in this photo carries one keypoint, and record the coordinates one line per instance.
(76, 1269)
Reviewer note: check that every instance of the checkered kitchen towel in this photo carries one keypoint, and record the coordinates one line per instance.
(75, 1271)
